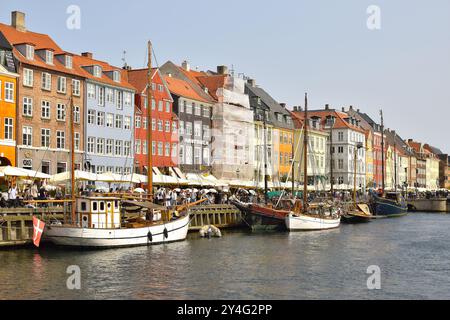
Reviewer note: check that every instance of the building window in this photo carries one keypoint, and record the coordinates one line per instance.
(109, 95)
(160, 125)
(27, 136)
(91, 116)
(127, 99)
(76, 139)
(206, 156)
(76, 114)
(182, 105)
(119, 99)
(144, 147)
(97, 71)
(101, 96)
(110, 120)
(100, 118)
(144, 122)
(198, 129)
(206, 134)
(188, 155)
(340, 164)
(127, 123)
(167, 149)
(69, 61)
(109, 169)
(91, 91)
(118, 148)
(119, 121)
(174, 126)
(61, 85)
(160, 106)
(46, 81)
(127, 148)
(27, 107)
(197, 109)
(189, 128)
(189, 108)
(49, 57)
(197, 155)
(160, 88)
(153, 104)
(167, 107)
(61, 167)
(45, 138)
(340, 136)
(9, 129)
(206, 112)
(100, 146)
(160, 148)
(116, 76)
(153, 124)
(76, 87)
(167, 126)
(60, 112)
(181, 128)
(137, 146)
(137, 122)
(100, 169)
(181, 154)
(28, 77)
(109, 146)
(174, 150)
(29, 52)
(153, 148)
(91, 145)
(45, 167)
(60, 139)
(45, 110)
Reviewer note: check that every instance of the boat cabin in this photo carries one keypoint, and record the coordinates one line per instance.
(98, 212)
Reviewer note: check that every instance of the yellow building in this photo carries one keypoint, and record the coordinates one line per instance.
(284, 150)
(8, 87)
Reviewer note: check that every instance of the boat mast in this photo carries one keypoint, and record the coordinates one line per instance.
(395, 163)
(149, 124)
(305, 158)
(382, 151)
(72, 160)
(266, 187)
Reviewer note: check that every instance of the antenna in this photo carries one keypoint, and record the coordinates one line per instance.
(232, 70)
(124, 60)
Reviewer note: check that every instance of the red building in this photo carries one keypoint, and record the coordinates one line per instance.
(164, 122)
(377, 158)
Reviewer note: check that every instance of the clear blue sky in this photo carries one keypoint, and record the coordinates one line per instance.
(289, 47)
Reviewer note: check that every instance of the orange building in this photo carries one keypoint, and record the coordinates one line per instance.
(8, 87)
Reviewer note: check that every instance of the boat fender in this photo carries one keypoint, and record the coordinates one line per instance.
(166, 233)
(150, 236)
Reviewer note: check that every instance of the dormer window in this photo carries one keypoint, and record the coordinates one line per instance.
(279, 117)
(116, 76)
(29, 52)
(48, 56)
(69, 62)
(97, 71)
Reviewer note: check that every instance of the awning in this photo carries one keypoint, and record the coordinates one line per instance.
(79, 175)
(10, 171)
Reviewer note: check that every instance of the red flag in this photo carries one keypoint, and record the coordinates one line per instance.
(38, 230)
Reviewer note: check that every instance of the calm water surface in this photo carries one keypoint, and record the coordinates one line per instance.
(412, 252)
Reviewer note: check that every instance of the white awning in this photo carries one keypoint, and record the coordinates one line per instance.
(10, 171)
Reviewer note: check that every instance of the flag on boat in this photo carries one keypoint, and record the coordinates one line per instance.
(38, 230)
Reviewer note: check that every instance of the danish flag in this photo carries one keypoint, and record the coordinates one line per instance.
(38, 230)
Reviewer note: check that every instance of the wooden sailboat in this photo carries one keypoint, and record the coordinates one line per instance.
(103, 222)
(359, 212)
(387, 204)
(306, 217)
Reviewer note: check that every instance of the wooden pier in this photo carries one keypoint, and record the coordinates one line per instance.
(16, 224)
(221, 216)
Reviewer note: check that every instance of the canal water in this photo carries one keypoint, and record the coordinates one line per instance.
(412, 253)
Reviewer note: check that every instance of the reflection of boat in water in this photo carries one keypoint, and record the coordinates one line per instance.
(360, 214)
(391, 204)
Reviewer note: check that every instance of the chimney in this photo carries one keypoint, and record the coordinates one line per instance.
(87, 55)
(18, 21)
(222, 70)
(357, 110)
(283, 105)
(251, 82)
(295, 109)
(351, 108)
(343, 109)
(327, 107)
(186, 66)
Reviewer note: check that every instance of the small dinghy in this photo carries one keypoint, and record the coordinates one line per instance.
(210, 231)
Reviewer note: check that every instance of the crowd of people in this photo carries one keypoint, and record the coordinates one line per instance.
(173, 197)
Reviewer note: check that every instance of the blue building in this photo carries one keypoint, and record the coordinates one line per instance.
(108, 118)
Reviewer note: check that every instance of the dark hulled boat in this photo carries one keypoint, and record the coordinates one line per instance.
(391, 204)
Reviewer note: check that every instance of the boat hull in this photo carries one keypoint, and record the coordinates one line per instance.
(353, 219)
(309, 223)
(108, 238)
(389, 209)
(260, 218)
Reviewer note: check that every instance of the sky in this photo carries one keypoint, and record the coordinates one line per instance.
(323, 47)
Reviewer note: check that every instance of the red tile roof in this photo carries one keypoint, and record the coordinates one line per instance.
(340, 122)
(182, 88)
(139, 78)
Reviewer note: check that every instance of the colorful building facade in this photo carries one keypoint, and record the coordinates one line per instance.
(164, 124)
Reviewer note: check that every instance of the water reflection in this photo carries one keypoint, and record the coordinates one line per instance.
(411, 251)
